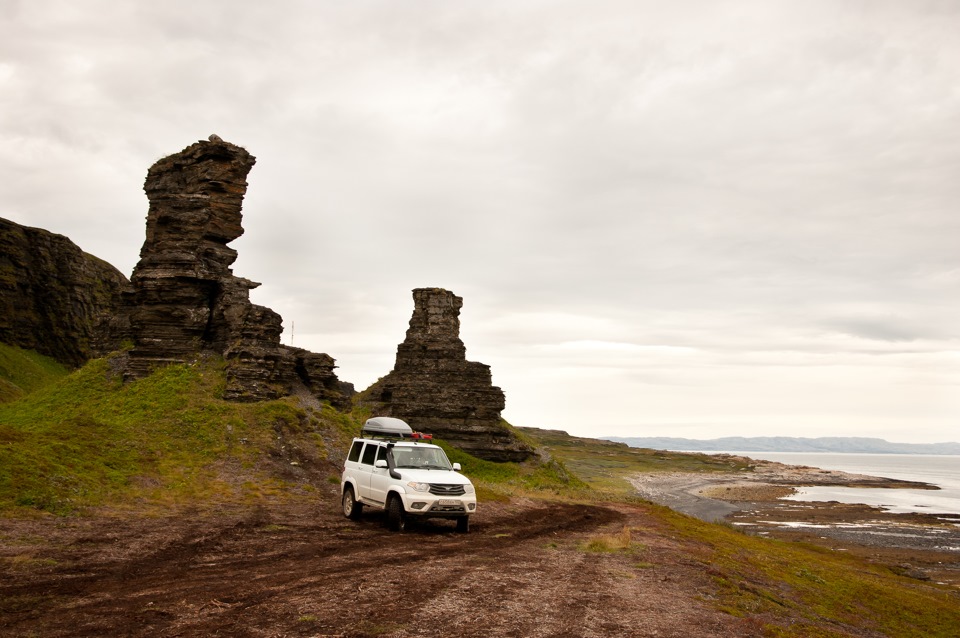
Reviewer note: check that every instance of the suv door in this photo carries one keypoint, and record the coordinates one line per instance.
(365, 469)
(380, 478)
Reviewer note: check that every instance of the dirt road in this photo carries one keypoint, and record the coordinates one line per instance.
(304, 570)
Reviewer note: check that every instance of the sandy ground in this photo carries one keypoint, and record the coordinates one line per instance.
(923, 546)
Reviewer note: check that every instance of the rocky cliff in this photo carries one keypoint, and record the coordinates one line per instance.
(183, 301)
(55, 298)
(435, 389)
(186, 299)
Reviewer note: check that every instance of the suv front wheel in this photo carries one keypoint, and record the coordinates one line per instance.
(396, 519)
(351, 508)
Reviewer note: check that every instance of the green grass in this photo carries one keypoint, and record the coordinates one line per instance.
(167, 439)
(23, 371)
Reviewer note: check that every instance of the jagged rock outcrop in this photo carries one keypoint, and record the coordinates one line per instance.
(57, 299)
(435, 389)
(187, 300)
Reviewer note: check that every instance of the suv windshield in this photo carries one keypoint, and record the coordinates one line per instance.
(420, 458)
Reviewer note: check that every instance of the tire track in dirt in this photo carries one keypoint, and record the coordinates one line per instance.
(213, 575)
(383, 572)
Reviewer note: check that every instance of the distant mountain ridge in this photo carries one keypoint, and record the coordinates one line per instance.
(852, 445)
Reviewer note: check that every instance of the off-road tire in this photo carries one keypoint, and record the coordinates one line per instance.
(463, 525)
(396, 519)
(351, 508)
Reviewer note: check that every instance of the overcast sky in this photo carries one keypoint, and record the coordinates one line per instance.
(698, 219)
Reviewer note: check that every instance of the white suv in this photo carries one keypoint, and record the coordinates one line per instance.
(390, 467)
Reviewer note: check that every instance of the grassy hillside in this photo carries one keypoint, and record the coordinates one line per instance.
(23, 371)
(85, 438)
(88, 439)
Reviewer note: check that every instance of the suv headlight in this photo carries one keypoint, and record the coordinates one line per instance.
(468, 488)
(420, 487)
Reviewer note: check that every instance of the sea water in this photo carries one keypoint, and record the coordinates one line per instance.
(942, 471)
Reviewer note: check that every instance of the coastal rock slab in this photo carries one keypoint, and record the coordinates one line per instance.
(435, 389)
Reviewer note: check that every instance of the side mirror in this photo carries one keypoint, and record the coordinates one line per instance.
(382, 463)
(456, 467)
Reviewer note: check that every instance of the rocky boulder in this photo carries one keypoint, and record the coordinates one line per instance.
(435, 389)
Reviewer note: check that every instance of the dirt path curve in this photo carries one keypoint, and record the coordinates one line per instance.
(307, 571)
(678, 491)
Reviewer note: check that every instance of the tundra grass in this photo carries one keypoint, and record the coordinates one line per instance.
(790, 589)
(609, 543)
(830, 593)
(605, 465)
(578, 469)
(498, 481)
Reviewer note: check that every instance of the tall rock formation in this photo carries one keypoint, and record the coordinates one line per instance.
(187, 300)
(435, 389)
(57, 299)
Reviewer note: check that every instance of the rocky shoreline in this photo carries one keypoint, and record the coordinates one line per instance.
(713, 496)
(924, 546)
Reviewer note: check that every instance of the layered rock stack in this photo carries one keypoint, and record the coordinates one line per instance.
(435, 389)
(57, 299)
(186, 299)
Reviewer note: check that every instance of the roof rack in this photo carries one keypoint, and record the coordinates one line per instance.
(385, 427)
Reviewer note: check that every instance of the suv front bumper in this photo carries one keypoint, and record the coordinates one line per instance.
(429, 505)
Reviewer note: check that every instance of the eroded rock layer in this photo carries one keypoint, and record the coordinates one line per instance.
(187, 300)
(57, 299)
(436, 390)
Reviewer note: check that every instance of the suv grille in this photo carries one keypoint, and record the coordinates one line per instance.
(447, 490)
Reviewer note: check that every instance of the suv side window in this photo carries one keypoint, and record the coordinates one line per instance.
(382, 453)
(355, 451)
(369, 453)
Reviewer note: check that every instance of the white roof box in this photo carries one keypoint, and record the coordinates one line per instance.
(386, 426)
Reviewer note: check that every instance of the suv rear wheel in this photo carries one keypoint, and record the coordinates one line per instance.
(396, 519)
(351, 508)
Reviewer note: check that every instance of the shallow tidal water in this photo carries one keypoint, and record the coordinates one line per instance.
(942, 471)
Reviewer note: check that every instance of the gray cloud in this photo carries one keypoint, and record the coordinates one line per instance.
(694, 213)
